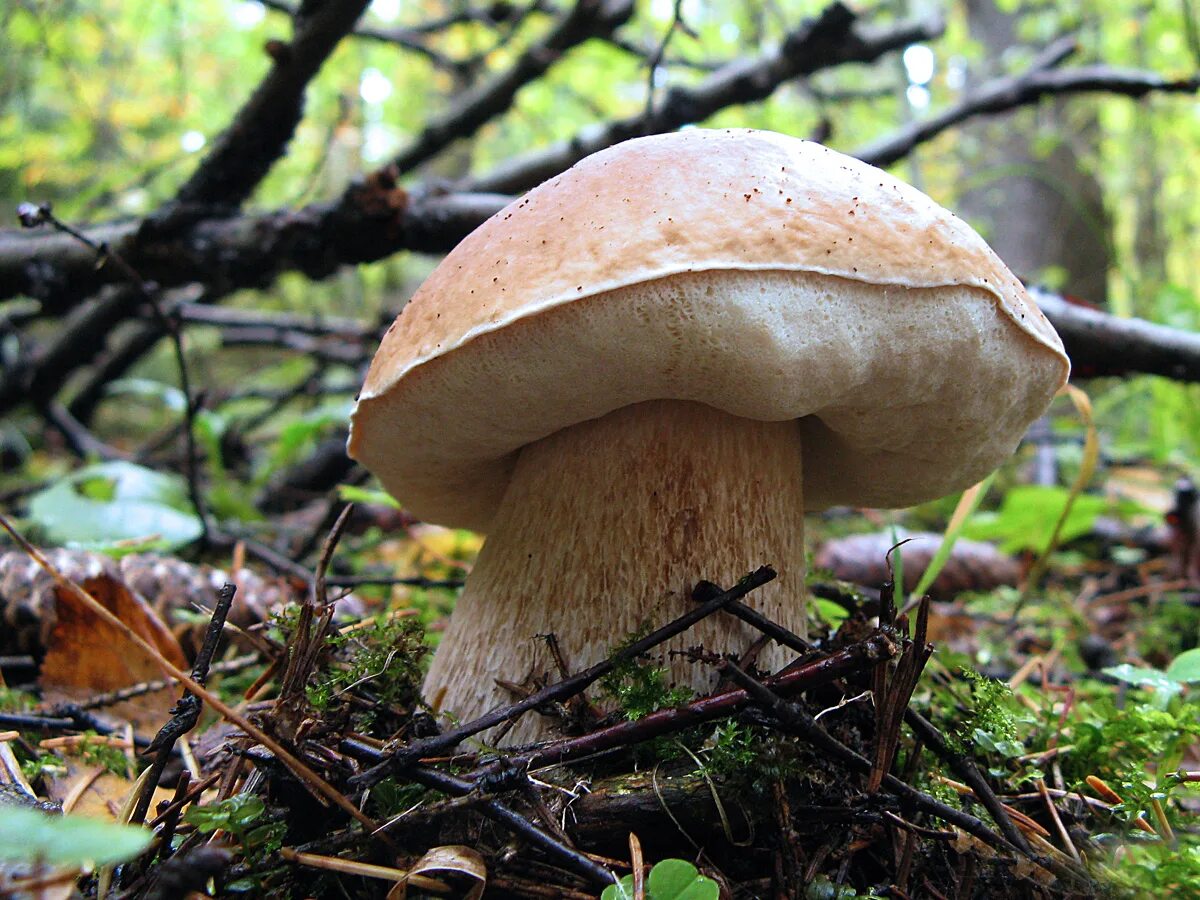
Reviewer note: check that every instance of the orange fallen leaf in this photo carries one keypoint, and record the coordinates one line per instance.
(87, 656)
(87, 790)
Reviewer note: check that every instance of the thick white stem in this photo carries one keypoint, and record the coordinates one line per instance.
(606, 527)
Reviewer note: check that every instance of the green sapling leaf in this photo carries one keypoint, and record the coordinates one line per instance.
(30, 836)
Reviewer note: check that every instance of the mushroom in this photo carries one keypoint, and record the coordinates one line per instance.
(643, 372)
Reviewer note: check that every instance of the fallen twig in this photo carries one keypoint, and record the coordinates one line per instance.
(1103, 344)
(795, 720)
(186, 712)
(965, 769)
(434, 746)
(801, 677)
(514, 821)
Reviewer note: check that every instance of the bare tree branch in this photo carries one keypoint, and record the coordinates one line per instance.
(585, 20)
(495, 13)
(259, 134)
(1003, 94)
(1101, 344)
(833, 38)
(315, 325)
(406, 38)
(238, 251)
(633, 48)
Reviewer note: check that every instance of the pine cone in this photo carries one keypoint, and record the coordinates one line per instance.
(972, 566)
(167, 584)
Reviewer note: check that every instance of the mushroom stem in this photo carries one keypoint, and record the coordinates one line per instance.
(607, 526)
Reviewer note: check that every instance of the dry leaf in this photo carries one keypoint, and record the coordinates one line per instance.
(19, 882)
(94, 793)
(86, 656)
(453, 858)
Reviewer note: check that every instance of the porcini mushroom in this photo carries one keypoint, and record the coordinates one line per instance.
(641, 373)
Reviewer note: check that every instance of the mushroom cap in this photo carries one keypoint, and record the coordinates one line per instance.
(764, 275)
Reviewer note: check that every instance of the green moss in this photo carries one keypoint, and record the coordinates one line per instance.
(384, 659)
(639, 688)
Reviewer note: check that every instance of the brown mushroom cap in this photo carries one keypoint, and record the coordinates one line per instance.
(760, 274)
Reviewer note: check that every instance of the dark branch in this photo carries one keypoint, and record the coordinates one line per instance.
(226, 254)
(406, 38)
(186, 713)
(569, 687)
(227, 251)
(509, 818)
(1004, 94)
(315, 325)
(259, 135)
(586, 19)
(1101, 344)
(833, 38)
(793, 680)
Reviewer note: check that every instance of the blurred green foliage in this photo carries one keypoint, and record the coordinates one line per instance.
(30, 836)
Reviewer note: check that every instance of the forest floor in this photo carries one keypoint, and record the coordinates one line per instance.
(1022, 728)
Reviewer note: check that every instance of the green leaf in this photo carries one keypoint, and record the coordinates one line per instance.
(833, 613)
(354, 494)
(246, 813)
(1185, 667)
(1026, 518)
(671, 879)
(30, 836)
(1164, 686)
(301, 433)
(677, 879)
(622, 890)
(115, 503)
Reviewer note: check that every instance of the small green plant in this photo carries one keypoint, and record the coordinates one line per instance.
(241, 816)
(41, 765)
(390, 798)
(991, 723)
(1117, 743)
(671, 879)
(90, 749)
(734, 748)
(100, 753)
(14, 700)
(1157, 870)
(750, 754)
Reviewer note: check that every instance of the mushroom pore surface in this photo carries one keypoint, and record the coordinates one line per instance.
(914, 392)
